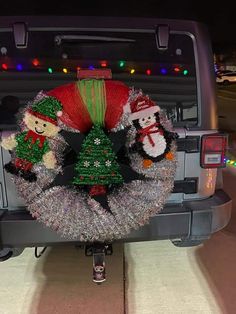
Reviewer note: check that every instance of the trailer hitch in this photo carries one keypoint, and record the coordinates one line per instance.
(98, 251)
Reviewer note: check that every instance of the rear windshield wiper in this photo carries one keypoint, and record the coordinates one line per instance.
(59, 39)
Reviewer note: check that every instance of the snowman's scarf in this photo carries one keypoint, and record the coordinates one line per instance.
(148, 131)
(34, 137)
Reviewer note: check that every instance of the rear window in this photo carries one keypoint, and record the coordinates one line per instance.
(53, 57)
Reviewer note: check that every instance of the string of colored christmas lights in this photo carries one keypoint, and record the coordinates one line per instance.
(36, 64)
(230, 162)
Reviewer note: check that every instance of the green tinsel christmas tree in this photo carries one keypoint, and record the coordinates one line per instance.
(97, 166)
(97, 163)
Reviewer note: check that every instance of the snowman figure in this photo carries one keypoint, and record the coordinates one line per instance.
(152, 141)
(31, 146)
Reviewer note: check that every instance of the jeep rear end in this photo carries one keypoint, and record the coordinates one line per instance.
(169, 60)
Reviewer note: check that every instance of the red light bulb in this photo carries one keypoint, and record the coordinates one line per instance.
(103, 64)
(35, 62)
(148, 72)
(4, 66)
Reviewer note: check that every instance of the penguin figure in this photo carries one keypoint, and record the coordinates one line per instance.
(153, 141)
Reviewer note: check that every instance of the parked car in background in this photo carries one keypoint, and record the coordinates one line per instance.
(226, 77)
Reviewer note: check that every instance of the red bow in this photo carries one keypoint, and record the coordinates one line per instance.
(148, 131)
(34, 137)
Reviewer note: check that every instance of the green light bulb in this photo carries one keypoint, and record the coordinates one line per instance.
(122, 64)
(50, 70)
(185, 72)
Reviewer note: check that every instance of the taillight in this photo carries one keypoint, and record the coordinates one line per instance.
(213, 150)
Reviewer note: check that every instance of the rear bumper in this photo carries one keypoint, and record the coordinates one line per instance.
(195, 219)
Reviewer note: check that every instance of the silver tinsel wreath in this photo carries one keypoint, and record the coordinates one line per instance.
(75, 215)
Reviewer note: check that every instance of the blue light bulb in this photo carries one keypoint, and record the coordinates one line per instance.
(19, 67)
(163, 71)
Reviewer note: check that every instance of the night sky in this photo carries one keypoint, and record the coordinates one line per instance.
(219, 18)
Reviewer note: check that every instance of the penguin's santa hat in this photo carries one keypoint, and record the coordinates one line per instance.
(142, 107)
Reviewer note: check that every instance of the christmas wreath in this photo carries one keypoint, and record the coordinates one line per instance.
(93, 159)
